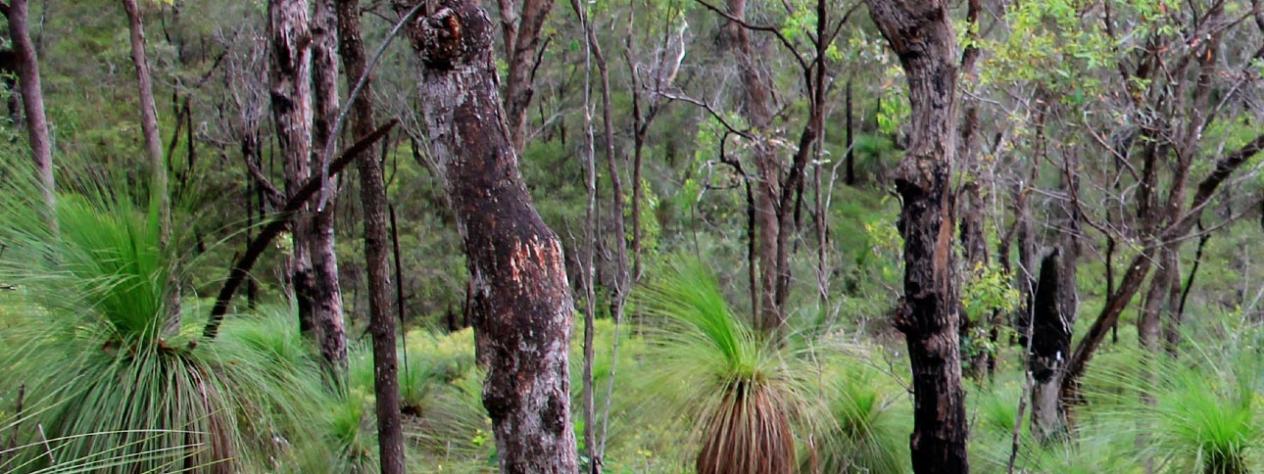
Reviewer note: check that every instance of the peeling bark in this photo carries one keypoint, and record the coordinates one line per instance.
(521, 303)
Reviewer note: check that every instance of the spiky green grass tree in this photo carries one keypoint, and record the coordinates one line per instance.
(741, 391)
(120, 389)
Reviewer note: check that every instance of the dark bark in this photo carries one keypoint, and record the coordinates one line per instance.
(373, 200)
(922, 36)
(33, 104)
(521, 303)
(291, 96)
(521, 35)
(327, 312)
(149, 116)
(1050, 345)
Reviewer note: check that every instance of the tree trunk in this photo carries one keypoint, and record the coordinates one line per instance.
(149, 117)
(921, 34)
(327, 307)
(757, 107)
(851, 143)
(33, 105)
(521, 30)
(373, 199)
(521, 303)
(291, 94)
(1050, 343)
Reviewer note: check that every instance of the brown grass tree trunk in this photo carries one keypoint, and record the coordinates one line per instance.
(327, 308)
(291, 94)
(32, 92)
(922, 36)
(521, 303)
(373, 199)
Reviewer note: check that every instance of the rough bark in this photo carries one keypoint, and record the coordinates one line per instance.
(521, 31)
(373, 200)
(327, 311)
(922, 36)
(521, 304)
(291, 95)
(1050, 345)
(32, 92)
(149, 116)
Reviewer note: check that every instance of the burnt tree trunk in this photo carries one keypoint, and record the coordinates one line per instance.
(327, 293)
(521, 303)
(149, 116)
(373, 199)
(921, 34)
(32, 92)
(1050, 344)
(291, 96)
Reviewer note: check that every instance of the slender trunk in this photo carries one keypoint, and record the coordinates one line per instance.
(327, 309)
(149, 117)
(757, 109)
(33, 105)
(521, 303)
(521, 30)
(619, 284)
(291, 94)
(851, 152)
(373, 200)
(588, 249)
(922, 35)
(1180, 294)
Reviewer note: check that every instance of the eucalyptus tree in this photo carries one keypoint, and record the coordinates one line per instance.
(521, 301)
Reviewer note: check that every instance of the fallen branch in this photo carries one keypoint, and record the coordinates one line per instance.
(241, 268)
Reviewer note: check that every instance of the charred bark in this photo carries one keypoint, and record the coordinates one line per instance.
(373, 200)
(1049, 348)
(521, 304)
(922, 36)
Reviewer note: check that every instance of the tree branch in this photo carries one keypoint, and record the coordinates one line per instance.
(241, 268)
